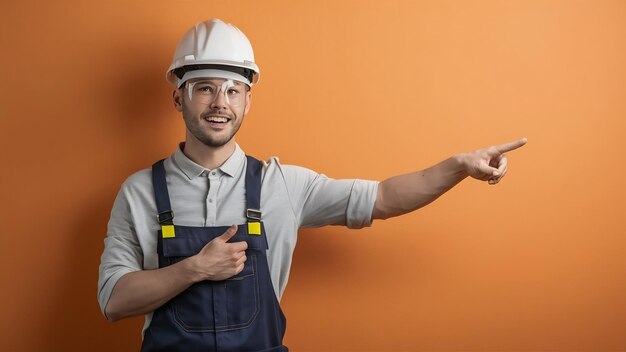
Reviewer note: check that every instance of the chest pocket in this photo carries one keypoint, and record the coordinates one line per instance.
(211, 306)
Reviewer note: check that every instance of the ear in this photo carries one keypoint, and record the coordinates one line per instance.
(177, 97)
(248, 101)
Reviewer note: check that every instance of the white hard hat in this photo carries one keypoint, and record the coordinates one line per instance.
(213, 49)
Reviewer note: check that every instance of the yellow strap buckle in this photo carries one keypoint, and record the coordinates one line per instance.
(254, 228)
(167, 231)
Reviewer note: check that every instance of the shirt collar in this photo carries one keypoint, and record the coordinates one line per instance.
(233, 164)
(230, 167)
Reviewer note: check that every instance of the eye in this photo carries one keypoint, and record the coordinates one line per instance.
(233, 91)
(205, 89)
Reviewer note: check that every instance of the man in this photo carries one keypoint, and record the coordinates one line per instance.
(202, 242)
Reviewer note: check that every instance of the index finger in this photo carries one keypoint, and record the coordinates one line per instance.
(507, 147)
(239, 246)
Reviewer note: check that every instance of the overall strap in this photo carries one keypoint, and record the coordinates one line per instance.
(253, 195)
(165, 215)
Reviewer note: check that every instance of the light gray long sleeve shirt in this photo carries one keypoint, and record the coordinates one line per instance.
(291, 197)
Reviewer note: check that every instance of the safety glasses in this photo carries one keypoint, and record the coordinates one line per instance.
(208, 91)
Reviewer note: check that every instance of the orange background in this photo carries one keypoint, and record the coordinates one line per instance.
(366, 89)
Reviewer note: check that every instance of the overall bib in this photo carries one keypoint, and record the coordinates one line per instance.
(239, 314)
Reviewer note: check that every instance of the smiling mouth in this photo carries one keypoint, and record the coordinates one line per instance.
(217, 119)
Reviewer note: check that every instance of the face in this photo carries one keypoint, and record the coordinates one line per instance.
(213, 109)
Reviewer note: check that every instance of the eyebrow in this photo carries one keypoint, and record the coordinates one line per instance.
(205, 81)
(212, 81)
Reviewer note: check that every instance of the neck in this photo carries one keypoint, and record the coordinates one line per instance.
(206, 156)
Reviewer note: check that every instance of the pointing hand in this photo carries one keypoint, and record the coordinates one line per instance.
(489, 164)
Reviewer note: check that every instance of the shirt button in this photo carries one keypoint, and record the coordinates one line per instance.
(213, 173)
(210, 200)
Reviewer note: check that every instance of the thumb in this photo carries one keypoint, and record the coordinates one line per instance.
(232, 230)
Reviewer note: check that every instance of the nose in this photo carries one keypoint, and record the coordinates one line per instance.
(219, 101)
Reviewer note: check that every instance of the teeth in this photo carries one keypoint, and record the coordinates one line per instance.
(216, 119)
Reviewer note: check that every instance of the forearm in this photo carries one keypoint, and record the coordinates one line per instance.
(144, 291)
(405, 193)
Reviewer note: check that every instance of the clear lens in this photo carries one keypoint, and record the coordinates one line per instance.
(207, 91)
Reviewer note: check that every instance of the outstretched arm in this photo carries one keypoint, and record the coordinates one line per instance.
(402, 194)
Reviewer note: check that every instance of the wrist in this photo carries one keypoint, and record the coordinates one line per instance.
(461, 163)
(190, 269)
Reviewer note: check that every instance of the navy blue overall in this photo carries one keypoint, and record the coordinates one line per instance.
(238, 314)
